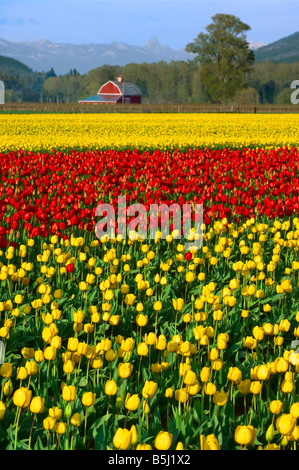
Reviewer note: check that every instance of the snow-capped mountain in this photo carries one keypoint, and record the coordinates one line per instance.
(43, 55)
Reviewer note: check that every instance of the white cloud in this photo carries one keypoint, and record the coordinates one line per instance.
(18, 21)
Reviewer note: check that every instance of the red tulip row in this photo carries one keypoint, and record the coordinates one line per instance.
(46, 193)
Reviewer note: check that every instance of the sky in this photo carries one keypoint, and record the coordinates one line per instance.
(174, 23)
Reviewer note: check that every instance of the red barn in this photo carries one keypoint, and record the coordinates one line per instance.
(116, 91)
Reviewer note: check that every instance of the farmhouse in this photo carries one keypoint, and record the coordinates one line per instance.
(116, 91)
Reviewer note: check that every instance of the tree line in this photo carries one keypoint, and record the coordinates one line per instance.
(161, 82)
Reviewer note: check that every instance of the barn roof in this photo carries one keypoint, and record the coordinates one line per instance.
(130, 89)
(100, 99)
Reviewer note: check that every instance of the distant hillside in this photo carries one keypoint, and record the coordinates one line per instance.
(43, 55)
(283, 50)
(11, 66)
(21, 83)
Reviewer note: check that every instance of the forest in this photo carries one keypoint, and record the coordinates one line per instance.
(161, 82)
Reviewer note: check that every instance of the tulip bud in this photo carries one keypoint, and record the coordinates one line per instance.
(146, 407)
(119, 402)
(134, 435)
(68, 410)
(270, 433)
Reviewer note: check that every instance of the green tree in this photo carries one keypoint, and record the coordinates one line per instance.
(11, 96)
(224, 56)
(284, 96)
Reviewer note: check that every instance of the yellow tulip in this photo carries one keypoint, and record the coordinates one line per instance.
(122, 439)
(88, 399)
(163, 440)
(285, 424)
(37, 405)
(245, 435)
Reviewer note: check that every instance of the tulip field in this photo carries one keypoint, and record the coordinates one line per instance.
(128, 343)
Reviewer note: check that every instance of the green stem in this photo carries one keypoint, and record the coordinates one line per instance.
(31, 429)
(17, 426)
(85, 425)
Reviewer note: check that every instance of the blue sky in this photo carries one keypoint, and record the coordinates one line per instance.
(172, 22)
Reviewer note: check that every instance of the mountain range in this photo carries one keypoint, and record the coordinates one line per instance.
(43, 55)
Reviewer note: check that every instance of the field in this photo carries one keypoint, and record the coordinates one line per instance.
(40, 132)
(131, 343)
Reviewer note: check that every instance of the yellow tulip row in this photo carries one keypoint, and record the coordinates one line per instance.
(161, 131)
